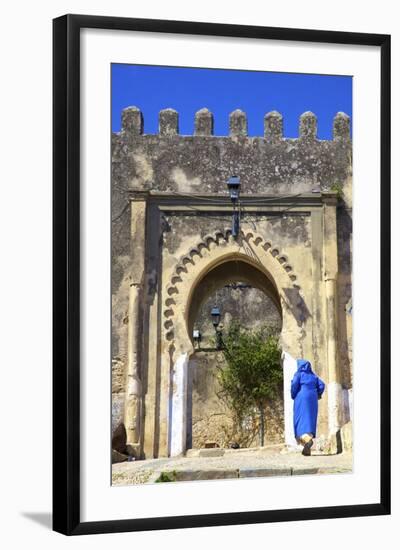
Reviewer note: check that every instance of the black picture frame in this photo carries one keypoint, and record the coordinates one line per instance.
(66, 272)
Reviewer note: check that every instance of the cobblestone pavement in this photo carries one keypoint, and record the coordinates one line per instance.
(233, 464)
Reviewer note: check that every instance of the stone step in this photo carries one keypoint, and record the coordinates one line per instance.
(218, 451)
(235, 473)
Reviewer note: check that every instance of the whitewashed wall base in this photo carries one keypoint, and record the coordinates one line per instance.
(335, 407)
(289, 368)
(179, 406)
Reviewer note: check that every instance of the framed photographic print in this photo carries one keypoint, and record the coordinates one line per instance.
(221, 274)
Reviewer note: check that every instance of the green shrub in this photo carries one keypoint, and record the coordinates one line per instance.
(166, 477)
(253, 375)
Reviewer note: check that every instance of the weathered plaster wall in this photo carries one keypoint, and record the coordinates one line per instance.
(210, 419)
(247, 305)
(183, 166)
(345, 242)
(202, 163)
(118, 392)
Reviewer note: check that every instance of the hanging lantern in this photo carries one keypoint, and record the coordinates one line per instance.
(215, 316)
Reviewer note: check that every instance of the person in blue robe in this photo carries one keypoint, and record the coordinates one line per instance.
(306, 389)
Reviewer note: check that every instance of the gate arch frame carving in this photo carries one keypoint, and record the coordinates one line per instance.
(201, 259)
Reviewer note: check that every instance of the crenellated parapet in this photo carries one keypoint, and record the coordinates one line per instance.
(201, 163)
(273, 127)
(204, 123)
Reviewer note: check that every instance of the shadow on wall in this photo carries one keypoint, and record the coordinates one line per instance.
(344, 311)
(297, 305)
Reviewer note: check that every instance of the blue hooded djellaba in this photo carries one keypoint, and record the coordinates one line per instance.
(306, 389)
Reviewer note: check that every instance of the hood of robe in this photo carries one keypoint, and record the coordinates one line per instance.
(303, 365)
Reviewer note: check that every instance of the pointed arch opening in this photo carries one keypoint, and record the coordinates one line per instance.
(244, 294)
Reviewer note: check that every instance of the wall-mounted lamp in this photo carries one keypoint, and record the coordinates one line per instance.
(234, 188)
(197, 337)
(216, 318)
(233, 184)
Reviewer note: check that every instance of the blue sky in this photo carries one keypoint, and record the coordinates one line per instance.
(152, 88)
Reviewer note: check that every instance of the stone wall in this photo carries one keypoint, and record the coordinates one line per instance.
(210, 419)
(118, 392)
(169, 169)
(241, 303)
(202, 163)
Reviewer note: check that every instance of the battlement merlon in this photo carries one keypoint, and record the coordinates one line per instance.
(201, 163)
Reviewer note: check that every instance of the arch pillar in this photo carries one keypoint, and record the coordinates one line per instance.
(335, 392)
(133, 385)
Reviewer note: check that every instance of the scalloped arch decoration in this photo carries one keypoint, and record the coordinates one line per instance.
(209, 252)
